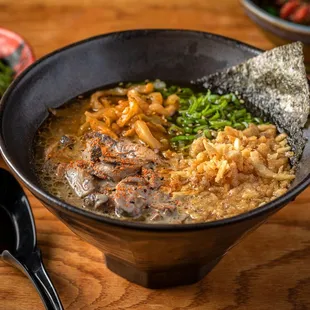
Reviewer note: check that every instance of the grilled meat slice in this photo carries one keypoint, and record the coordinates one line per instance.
(149, 174)
(95, 200)
(137, 151)
(115, 172)
(116, 160)
(131, 196)
(122, 150)
(79, 179)
(106, 186)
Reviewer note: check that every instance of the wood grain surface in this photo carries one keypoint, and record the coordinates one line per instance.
(270, 269)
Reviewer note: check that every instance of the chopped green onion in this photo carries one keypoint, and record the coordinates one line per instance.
(183, 138)
(240, 113)
(200, 112)
(238, 126)
(213, 98)
(215, 116)
(220, 124)
(199, 128)
(208, 112)
(187, 129)
(207, 134)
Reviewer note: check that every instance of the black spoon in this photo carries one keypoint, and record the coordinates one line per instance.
(18, 244)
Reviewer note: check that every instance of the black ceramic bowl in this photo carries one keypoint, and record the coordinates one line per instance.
(150, 255)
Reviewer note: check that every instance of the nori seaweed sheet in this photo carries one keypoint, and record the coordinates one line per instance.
(274, 86)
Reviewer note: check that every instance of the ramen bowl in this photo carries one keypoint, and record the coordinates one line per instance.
(151, 255)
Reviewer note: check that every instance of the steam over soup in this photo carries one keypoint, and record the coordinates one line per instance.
(158, 154)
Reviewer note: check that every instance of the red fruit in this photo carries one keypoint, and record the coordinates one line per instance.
(289, 8)
(301, 14)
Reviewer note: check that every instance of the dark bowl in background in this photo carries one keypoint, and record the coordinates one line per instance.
(278, 30)
(151, 255)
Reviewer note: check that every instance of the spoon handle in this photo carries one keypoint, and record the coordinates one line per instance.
(45, 288)
(35, 271)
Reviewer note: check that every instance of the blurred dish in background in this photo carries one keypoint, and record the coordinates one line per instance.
(15, 56)
(296, 11)
(278, 30)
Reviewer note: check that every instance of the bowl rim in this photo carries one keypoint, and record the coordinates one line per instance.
(53, 200)
(276, 21)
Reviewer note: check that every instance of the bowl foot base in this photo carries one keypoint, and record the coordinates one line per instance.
(181, 275)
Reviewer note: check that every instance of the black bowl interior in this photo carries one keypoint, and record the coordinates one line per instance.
(172, 55)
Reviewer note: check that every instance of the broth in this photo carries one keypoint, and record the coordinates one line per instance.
(158, 154)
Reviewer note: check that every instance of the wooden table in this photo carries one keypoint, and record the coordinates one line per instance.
(270, 269)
